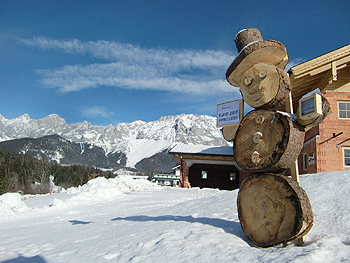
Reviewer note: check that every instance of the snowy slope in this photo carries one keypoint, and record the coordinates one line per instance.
(133, 139)
(122, 220)
(144, 148)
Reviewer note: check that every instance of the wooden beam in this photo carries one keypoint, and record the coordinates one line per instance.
(325, 80)
(336, 55)
(320, 68)
(294, 169)
(334, 71)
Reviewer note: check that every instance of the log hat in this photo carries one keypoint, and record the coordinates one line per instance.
(253, 49)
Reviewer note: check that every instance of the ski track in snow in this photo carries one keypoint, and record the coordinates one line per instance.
(126, 220)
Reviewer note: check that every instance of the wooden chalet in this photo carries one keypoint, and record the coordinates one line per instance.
(206, 166)
(327, 146)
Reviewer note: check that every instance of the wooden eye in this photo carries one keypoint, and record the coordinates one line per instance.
(262, 74)
(248, 81)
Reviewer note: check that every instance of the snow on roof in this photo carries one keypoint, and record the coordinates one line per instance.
(182, 148)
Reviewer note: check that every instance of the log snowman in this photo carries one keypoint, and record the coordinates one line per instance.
(272, 208)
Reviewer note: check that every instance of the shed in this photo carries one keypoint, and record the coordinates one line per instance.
(206, 166)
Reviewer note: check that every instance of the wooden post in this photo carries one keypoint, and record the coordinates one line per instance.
(294, 169)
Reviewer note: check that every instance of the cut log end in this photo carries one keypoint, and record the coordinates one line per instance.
(229, 132)
(265, 86)
(267, 141)
(273, 209)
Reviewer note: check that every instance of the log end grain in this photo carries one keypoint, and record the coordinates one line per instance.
(267, 141)
(273, 209)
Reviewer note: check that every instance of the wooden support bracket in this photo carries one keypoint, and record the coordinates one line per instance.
(334, 71)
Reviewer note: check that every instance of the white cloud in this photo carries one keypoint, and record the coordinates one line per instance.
(96, 111)
(133, 67)
(293, 63)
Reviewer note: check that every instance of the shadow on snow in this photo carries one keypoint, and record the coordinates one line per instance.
(231, 227)
(21, 259)
(78, 222)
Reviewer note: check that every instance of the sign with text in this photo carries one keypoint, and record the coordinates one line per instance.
(229, 113)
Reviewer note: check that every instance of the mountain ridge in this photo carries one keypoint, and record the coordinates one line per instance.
(137, 140)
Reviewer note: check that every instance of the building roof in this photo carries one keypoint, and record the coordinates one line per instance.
(192, 149)
(328, 71)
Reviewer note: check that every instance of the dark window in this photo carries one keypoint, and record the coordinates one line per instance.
(304, 161)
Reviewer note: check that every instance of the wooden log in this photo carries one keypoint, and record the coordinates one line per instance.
(229, 132)
(273, 209)
(270, 51)
(309, 123)
(265, 86)
(267, 141)
(247, 36)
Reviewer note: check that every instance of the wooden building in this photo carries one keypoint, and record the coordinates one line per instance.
(206, 166)
(327, 146)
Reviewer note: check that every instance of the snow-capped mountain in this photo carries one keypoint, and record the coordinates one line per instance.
(137, 140)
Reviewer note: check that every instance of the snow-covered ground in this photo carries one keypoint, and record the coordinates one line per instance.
(126, 220)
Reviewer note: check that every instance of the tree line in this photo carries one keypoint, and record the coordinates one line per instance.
(28, 175)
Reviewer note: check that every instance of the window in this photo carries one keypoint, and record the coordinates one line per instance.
(344, 110)
(346, 154)
(204, 175)
(304, 161)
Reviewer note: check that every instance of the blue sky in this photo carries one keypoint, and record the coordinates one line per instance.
(108, 62)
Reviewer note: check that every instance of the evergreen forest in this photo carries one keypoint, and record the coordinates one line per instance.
(28, 175)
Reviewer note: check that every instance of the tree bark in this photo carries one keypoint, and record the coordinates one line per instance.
(273, 209)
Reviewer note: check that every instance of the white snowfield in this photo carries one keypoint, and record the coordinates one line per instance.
(126, 220)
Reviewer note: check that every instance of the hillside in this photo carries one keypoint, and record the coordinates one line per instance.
(65, 152)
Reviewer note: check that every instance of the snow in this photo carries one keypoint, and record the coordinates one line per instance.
(144, 148)
(57, 157)
(126, 220)
(182, 148)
